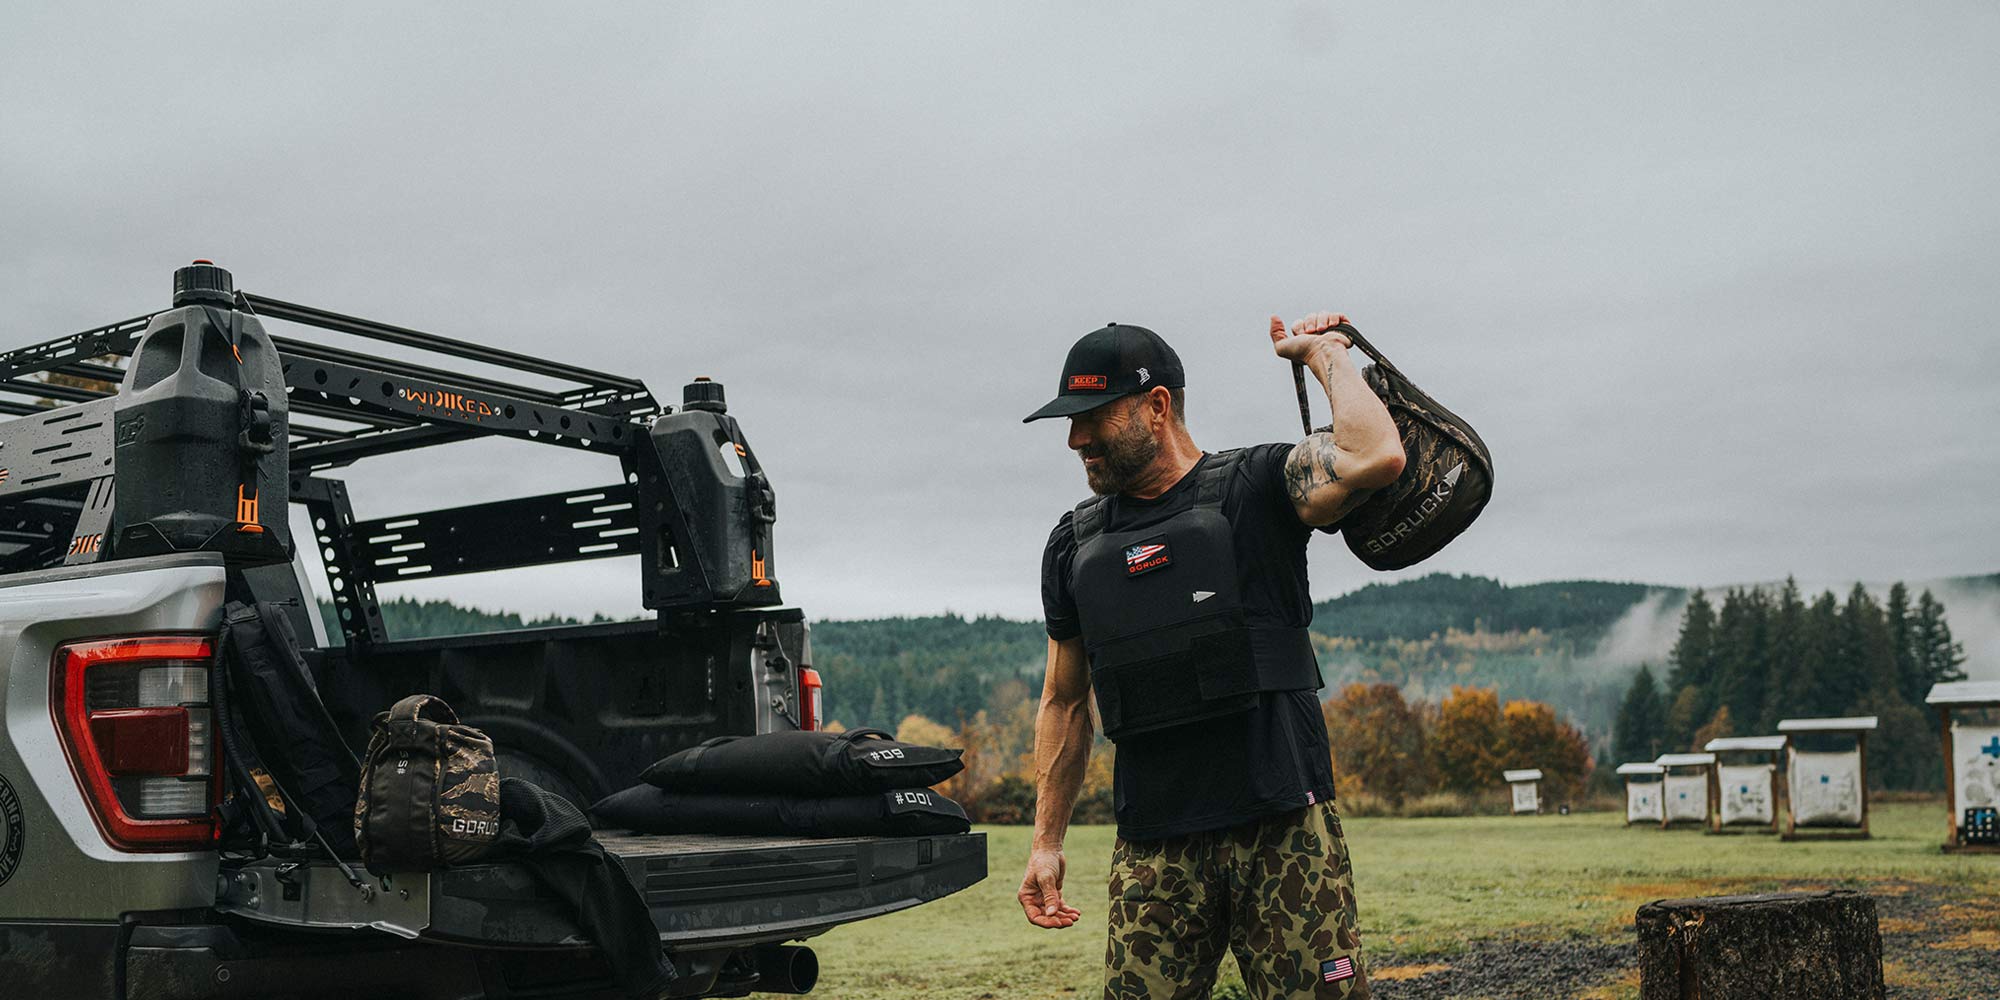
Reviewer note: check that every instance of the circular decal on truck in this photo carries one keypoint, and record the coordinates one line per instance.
(13, 831)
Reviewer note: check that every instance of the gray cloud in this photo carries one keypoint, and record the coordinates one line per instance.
(1709, 278)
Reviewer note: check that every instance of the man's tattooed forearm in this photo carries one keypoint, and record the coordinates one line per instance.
(1311, 466)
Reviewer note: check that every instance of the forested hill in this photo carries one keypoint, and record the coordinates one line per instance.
(1439, 603)
(1531, 641)
(942, 667)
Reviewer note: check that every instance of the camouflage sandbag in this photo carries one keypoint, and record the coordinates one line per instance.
(430, 790)
(1447, 473)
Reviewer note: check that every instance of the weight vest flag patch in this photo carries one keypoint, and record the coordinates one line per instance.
(1336, 970)
(1146, 556)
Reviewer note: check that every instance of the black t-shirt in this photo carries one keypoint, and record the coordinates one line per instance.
(1235, 768)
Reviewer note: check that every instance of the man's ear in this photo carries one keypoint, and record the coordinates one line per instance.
(1160, 404)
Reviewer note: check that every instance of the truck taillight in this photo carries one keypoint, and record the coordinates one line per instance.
(136, 723)
(809, 700)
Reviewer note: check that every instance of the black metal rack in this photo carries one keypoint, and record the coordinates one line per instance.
(56, 455)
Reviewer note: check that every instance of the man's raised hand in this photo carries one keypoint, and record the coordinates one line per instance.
(1308, 337)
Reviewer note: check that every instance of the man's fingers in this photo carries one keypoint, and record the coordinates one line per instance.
(1277, 328)
(1052, 901)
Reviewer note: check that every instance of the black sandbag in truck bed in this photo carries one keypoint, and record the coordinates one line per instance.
(909, 812)
(805, 763)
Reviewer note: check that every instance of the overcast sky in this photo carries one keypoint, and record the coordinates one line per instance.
(1715, 281)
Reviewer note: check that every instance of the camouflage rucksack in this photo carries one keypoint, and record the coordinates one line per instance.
(430, 790)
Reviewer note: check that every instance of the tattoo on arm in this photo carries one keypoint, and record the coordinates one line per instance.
(1310, 466)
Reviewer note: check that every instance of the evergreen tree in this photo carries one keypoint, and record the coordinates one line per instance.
(1817, 692)
(1785, 684)
(1742, 654)
(1867, 659)
(1692, 670)
(1909, 681)
(1935, 653)
(1637, 734)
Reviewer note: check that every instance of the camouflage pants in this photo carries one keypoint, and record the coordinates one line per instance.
(1278, 892)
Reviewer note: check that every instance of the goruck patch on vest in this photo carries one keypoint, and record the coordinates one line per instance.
(1148, 555)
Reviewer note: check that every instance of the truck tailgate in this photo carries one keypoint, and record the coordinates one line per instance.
(706, 892)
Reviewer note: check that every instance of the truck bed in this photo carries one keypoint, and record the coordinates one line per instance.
(706, 892)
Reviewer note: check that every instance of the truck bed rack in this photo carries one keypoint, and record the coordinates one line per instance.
(354, 405)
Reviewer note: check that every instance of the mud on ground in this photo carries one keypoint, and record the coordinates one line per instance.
(1938, 943)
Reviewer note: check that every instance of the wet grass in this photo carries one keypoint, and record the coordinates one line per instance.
(1426, 886)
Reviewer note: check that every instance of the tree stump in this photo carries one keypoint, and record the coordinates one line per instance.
(1771, 946)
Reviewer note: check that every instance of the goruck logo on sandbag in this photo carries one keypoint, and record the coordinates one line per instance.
(1434, 500)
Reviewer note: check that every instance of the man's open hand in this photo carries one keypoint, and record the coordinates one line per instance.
(1308, 337)
(1041, 891)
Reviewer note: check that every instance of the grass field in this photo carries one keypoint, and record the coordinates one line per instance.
(1426, 887)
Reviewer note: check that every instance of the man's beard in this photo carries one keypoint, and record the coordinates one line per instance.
(1125, 456)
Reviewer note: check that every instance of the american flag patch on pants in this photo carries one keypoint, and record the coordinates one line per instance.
(1336, 970)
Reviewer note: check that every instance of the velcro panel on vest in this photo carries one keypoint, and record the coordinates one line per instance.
(1199, 670)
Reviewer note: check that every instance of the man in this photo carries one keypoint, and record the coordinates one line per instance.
(1178, 593)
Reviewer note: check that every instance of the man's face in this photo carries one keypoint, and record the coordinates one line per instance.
(1115, 442)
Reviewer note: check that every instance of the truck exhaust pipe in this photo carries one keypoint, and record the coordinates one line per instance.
(786, 969)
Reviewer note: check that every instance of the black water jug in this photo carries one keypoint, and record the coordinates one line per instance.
(200, 425)
(711, 543)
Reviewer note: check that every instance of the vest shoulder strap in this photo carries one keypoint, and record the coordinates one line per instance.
(1088, 520)
(1213, 484)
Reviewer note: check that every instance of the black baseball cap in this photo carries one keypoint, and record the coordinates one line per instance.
(1109, 364)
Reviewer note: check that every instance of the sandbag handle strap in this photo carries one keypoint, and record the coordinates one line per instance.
(1354, 336)
(1367, 348)
(423, 706)
(830, 755)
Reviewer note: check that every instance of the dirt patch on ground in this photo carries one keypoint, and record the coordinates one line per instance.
(1513, 969)
(1398, 973)
(1937, 944)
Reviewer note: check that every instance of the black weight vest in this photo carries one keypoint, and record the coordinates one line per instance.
(1169, 636)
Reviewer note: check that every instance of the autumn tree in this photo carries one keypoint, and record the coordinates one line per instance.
(1467, 741)
(1535, 737)
(1684, 717)
(1378, 742)
(1718, 726)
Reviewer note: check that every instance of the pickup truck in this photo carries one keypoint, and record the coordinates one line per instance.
(146, 471)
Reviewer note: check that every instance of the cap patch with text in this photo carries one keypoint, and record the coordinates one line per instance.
(1112, 363)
